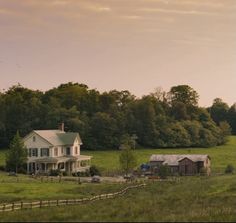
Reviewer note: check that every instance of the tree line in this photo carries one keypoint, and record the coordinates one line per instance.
(105, 120)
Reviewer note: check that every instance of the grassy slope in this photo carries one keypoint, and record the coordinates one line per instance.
(191, 199)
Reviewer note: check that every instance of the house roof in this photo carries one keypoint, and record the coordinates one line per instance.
(173, 160)
(58, 137)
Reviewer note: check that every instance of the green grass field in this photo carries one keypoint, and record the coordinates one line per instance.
(190, 199)
(109, 160)
(31, 189)
(220, 155)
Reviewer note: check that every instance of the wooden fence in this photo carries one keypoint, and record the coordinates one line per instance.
(50, 203)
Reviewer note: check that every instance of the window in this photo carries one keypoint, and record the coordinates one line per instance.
(56, 151)
(44, 151)
(76, 150)
(34, 139)
(33, 152)
(68, 151)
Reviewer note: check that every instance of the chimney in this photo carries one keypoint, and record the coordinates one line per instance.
(62, 126)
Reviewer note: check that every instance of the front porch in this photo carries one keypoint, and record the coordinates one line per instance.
(64, 164)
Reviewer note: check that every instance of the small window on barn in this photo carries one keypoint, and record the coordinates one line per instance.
(34, 139)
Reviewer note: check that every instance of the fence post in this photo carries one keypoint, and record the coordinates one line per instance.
(40, 205)
(13, 204)
(21, 205)
(57, 202)
(31, 205)
(3, 207)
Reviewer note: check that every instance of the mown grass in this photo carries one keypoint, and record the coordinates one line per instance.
(208, 199)
(26, 189)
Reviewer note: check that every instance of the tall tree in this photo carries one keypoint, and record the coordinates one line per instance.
(184, 94)
(16, 156)
(127, 159)
(219, 110)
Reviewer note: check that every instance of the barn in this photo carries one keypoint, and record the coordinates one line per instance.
(181, 164)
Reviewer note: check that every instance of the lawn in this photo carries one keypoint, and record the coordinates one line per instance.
(26, 188)
(211, 199)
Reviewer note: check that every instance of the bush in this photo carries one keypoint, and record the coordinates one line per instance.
(54, 172)
(2, 168)
(64, 174)
(93, 170)
(22, 170)
(83, 174)
(229, 169)
(164, 171)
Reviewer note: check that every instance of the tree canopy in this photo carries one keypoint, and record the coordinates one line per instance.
(104, 119)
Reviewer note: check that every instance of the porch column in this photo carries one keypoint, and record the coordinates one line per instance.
(35, 167)
(27, 167)
(45, 167)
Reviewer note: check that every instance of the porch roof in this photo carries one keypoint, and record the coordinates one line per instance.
(47, 160)
(62, 159)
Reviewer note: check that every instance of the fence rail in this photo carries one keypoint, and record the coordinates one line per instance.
(52, 203)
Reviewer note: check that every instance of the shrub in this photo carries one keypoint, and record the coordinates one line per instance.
(83, 174)
(64, 174)
(2, 168)
(229, 169)
(93, 170)
(164, 171)
(22, 170)
(54, 172)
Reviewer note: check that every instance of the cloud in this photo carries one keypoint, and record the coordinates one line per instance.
(132, 17)
(174, 11)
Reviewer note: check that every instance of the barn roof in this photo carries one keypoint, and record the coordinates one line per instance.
(173, 160)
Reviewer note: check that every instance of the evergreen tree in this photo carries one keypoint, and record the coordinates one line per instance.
(17, 154)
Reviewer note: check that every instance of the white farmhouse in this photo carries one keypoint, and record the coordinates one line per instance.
(55, 149)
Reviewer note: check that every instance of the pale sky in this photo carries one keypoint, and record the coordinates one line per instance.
(134, 45)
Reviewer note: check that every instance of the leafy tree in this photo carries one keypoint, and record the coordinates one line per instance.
(17, 154)
(232, 118)
(184, 94)
(219, 110)
(225, 128)
(127, 159)
(164, 171)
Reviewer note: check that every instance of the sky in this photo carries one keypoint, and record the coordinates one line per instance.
(135, 45)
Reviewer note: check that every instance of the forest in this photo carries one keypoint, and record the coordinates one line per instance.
(105, 120)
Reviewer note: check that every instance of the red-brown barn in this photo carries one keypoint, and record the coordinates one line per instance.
(182, 164)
